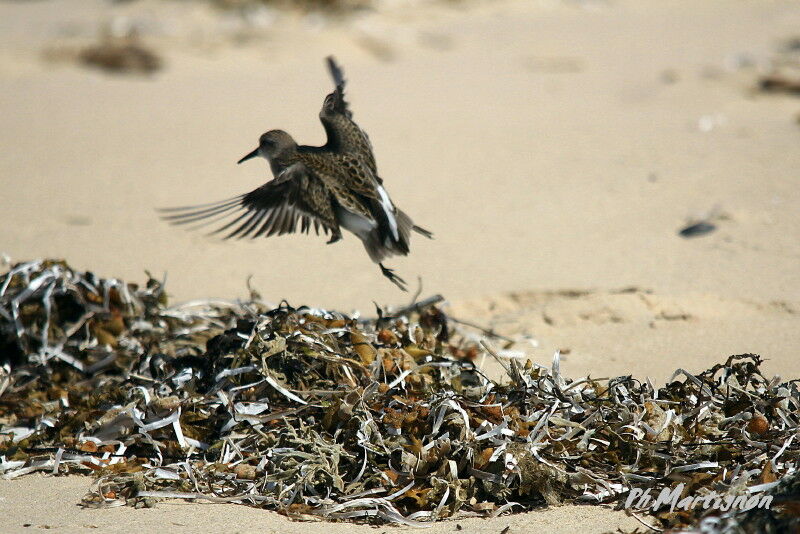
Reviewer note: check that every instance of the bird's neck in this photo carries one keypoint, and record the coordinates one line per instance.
(281, 161)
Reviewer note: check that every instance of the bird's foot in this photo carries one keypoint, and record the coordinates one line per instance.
(393, 278)
(334, 238)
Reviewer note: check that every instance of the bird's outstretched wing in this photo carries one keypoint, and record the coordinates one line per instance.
(276, 208)
(344, 135)
(339, 82)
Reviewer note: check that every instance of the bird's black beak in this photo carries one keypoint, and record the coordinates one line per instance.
(251, 155)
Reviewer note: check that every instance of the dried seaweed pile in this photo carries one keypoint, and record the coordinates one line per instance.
(317, 414)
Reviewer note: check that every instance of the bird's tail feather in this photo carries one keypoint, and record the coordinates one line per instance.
(375, 246)
(380, 244)
(404, 227)
(422, 231)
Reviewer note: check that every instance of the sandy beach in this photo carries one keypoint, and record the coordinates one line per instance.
(555, 148)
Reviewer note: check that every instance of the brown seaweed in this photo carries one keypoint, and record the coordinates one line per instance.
(317, 413)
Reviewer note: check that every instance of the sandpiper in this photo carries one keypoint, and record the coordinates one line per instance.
(331, 187)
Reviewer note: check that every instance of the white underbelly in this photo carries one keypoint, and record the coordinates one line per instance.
(358, 224)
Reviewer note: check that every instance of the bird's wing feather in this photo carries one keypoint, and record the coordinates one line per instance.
(352, 137)
(349, 170)
(356, 188)
(275, 208)
(339, 82)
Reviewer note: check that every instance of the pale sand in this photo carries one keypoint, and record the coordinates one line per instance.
(50, 503)
(540, 141)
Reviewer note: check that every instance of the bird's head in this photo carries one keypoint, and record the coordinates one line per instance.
(272, 145)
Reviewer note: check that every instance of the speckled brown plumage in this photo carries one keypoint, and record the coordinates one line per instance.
(326, 188)
(344, 135)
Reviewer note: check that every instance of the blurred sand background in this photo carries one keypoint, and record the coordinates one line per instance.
(555, 148)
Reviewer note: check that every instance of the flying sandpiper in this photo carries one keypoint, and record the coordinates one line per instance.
(330, 187)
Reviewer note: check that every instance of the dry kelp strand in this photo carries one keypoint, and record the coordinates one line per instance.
(321, 415)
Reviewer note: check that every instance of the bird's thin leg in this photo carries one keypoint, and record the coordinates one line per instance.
(393, 278)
